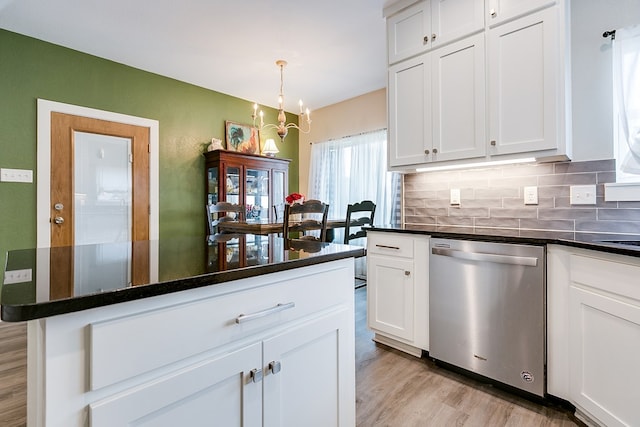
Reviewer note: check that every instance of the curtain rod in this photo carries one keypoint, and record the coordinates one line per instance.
(348, 136)
(611, 33)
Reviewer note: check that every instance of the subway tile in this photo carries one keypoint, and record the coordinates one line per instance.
(605, 177)
(568, 213)
(512, 232)
(628, 205)
(599, 237)
(568, 179)
(552, 234)
(413, 203)
(422, 195)
(468, 212)
(619, 214)
(481, 174)
(489, 193)
(609, 226)
(553, 224)
(438, 203)
(513, 213)
(451, 220)
(525, 170)
(480, 183)
(482, 203)
(553, 191)
(565, 202)
(586, 166)
(515, 182)
(415, 219)
(436, 211)
(515, 203)
(497, 222)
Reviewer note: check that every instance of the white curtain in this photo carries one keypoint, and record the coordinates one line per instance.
(626, 77)
(352, 169)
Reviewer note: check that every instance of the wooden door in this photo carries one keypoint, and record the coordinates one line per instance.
(63, 131)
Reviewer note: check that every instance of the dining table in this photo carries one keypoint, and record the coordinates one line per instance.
(268, 226)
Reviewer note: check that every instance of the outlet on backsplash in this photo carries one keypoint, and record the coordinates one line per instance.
(583, 194)
(530, 195)
(455, 196)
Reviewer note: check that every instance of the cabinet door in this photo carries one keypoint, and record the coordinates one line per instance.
(233, 183)
(257, 201)
(217, 391)
(603, 349)
(459, 100)
(390, 295)
(309, 374)
(455, 19)
(504, 10)
(408, 31)
(524, 84)
(410, 111)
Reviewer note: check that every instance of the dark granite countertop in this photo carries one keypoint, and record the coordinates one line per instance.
(51, 281)
(598, 242)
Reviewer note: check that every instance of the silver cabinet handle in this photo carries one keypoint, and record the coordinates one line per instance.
(388, 247)
(433, 37)
(256, 375)
(275, 367)
(477, 256)
(425, 40)
(493, 13)
(258, 314)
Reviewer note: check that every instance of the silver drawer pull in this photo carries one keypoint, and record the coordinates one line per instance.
(388, 247)
(258, 314)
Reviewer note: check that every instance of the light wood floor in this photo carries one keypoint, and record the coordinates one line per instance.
(396, 389)
(392, 388)
(13, 374)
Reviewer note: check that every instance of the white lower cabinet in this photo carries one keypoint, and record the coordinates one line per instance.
(272, 350)
(398, 290)
(596, 367)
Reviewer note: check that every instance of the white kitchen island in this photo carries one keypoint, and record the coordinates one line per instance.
(272, 348)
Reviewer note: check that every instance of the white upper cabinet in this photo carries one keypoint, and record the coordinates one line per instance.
(409, 31)
(454, 19)
(458, 100)
(409, 98)
(524, 84)
(500, 11)
(432, 23)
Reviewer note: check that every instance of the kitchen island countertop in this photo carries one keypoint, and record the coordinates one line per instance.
(38, 284)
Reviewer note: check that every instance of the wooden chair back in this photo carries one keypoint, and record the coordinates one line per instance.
(303, 218)
(221, 212)
(358, 215)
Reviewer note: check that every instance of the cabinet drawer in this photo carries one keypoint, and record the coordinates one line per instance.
(124, 347)
(390, 244)
(616, 277)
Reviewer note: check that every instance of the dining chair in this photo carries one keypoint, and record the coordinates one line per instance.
(305, 219)
(222, 212)
(358, 215)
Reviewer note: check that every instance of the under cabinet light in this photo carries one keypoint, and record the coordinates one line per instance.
(476, 165)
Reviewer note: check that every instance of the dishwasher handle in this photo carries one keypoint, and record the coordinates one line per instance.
(488, 257)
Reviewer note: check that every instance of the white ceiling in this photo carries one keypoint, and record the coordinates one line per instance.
(335, 48)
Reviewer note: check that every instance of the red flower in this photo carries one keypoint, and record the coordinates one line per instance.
(293, 197)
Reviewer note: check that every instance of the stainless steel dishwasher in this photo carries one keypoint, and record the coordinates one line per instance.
(487, 310)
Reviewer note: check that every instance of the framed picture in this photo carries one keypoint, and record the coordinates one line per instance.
(242, 138)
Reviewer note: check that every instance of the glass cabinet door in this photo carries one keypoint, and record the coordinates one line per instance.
(232, 184)
(257, 194)
(212, 185)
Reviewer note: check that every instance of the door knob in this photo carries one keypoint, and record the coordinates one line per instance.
(426, 152)
(425, 40)
(493, 13)
(58, 220)
(433, 37)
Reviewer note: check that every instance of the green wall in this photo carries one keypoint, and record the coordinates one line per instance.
(189, 117)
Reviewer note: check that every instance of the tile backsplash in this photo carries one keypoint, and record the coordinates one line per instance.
(493, 199)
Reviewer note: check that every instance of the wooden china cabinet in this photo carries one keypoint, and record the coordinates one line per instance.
(258, 182)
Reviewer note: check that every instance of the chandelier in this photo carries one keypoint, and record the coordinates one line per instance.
(282, 128)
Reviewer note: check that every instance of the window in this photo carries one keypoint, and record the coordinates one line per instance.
(626, 77)
(352, 169)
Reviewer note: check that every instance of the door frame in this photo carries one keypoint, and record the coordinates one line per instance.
(43, 209)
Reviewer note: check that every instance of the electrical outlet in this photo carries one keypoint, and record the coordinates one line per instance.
(455, 196)
(583, 194)
(17, 276)
(16, 175)
(530, 195)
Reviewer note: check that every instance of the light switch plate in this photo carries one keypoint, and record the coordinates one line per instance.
(16, 175)
(17, 276)
(455, 196)
(530, 195)
(583, 194)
